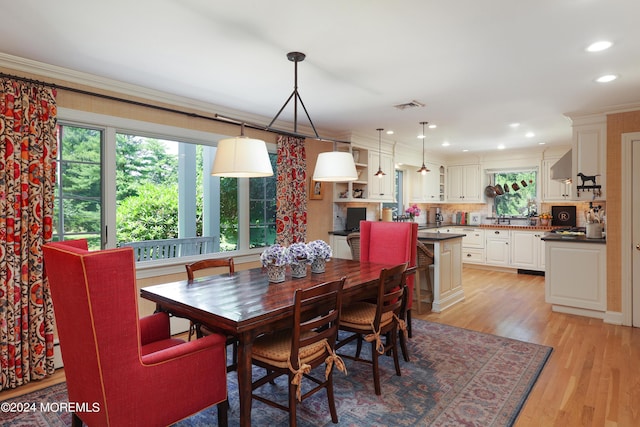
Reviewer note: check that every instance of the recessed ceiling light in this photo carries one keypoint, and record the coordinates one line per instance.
(606, 78)
(514, 125)
(541, 143)
(389, 132)
(445, 144)
(529, 134)
(599, 46)
(433, 126)
(465, 150)
(501, 147)
(422, 136)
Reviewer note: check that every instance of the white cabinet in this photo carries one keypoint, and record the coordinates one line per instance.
(339, 247)
(553, 190)
(426, 188)
(527, 250)
(355, 190)
(381, 188)
(497, 247)
(575, 277)
(463, 183)
(447, 274)
(473, 245)
(589, 155)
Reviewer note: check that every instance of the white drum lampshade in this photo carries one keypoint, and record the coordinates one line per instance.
(241, 157)
(335, 166)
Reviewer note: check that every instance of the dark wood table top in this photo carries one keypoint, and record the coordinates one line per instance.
(242, 301)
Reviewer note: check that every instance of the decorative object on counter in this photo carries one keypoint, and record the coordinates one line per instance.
(275, 259)
(594, 217)
(545, 218)
(320, 253)
(413, 212)
(300, 256)
(357, 193)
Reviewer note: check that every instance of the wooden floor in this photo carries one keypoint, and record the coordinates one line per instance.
(592, 377)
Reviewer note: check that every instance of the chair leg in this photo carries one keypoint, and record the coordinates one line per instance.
(359, 346)
(292, 403)
(394, 348)
(404, 348)
(376, 370)
(409, 328)
(75, 420)
(330, 397)
(223, 409)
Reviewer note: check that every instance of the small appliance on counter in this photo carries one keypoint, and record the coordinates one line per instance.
(564, 216)
(354, 216)
(435, 216)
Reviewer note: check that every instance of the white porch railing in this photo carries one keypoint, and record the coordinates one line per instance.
(173, 248)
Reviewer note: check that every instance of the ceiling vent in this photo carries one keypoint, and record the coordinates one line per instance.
(412, 104)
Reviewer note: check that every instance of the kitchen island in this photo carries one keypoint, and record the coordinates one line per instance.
(447, 268)
(575, 274)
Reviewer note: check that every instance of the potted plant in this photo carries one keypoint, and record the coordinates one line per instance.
(275, 259)
(545, 218)
(300, 256)
(320, 254)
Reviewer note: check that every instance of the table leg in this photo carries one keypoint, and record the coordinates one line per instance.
(245, 346)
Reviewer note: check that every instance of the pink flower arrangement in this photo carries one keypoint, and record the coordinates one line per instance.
(413, 210)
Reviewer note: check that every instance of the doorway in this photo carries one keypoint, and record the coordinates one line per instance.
(631, 221)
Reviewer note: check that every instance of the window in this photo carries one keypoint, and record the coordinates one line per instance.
(78, 198)
(520, 202)
(262, 208)
(126, 181)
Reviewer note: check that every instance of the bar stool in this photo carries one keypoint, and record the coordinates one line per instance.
(425, 259)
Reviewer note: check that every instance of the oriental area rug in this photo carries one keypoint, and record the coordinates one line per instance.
(456, 377)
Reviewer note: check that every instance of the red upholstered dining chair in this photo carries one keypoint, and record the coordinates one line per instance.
(203, 330)
(391, 243)
(127, 368)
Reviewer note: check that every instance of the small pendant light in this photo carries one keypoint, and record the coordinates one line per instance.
(423, 170)
(379, 174)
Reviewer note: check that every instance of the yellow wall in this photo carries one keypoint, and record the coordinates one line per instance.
(617, 124)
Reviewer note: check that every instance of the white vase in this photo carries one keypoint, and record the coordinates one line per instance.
(299, 270)
(318, 265)
(276, 273)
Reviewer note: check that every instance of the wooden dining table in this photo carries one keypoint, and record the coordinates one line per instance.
(246, 305)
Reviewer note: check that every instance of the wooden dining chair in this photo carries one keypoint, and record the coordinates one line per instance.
(353, 240)
(373, 321)
(308, 343)
(203, 330)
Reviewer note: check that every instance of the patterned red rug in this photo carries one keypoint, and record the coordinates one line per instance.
(456, 377)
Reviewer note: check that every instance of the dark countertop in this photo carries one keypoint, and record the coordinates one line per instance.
(570, 238)
(341, 232)
(438, 237)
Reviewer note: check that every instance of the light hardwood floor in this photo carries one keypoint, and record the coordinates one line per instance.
(592, 377)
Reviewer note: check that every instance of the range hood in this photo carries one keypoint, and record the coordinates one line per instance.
(561, 170)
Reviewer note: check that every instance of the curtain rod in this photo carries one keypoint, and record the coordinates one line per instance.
(216, 118)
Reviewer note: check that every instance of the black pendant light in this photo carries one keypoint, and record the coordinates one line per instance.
(423, 170)
(379, 174)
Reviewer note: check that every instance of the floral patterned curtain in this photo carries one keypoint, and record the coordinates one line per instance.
(27, 178)
(291, 191)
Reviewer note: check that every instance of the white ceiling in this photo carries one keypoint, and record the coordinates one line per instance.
(476, 65)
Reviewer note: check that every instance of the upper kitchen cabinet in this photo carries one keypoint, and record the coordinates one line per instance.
(355, 190)
(554, 190)
(381, 187)
(589, 157)
(464, 184)
(427, 188)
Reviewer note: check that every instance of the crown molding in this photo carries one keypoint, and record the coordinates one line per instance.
(47, 71)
